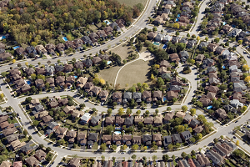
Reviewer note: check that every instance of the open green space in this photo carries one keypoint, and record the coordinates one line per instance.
(123, 51)
(109, 74)
(133, 73)
(132, 2)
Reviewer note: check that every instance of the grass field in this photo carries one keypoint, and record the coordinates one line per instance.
(109, 74)
(123, 51)
(134, 73)
(132, 2)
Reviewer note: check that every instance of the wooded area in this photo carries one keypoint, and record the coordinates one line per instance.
(41, 20)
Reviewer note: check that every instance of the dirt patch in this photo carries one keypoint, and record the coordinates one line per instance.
(134, 73)
(146, 56)
(109, 74)
(123, 51)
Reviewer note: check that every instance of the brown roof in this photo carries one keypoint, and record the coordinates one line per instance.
(5, 164)
(74, 162)
(9, 131)
(205, 101)
(110, 120)
(18, 164)
(211, 88)
(148, 120)
(119, 120)
(6, 124)
(222, 113)
(138, 119)
(136, 140)
(4, 118)
(32, 161)
(81, 81)
(40, 71)
(96, 60)
(174, 57)
(68, 67)
(158, 119)
(165, 63)
(47, 119)
(180, 114)
(169, 116)
(171, 94)
(50, 81)
(198, 129)
(40, 155)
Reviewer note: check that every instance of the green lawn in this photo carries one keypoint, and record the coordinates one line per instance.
(134, 73)
(109, 74)
(132, 2)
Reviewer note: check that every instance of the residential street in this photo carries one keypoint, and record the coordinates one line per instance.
(192, 77)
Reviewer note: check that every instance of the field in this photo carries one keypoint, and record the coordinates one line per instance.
(123, 51)
(132, 2)
(134, 73)
(109, 74)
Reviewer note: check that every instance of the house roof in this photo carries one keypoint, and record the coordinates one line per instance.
(148, 120)
(169, 116)
(32, 161)
(93, 136)
(40, 155)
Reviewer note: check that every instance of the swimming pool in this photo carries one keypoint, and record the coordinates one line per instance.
(16, 47)
(224, 23)
(2, 37)
(164, 46)
(76, 77)
(176, 19)
(65, 39)
(209, 107)
(178, 15)
(164, 99)
(107, 22)
(28, 82)
(223, 67)
(108, 62)
(117, 132)
(156, 43)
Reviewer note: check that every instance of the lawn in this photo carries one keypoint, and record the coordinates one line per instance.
(132, 2)
(109, 74)
(134, 73)
(123, 51)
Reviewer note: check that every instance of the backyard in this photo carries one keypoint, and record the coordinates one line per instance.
(133, 73)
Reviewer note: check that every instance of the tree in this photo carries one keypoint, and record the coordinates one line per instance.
(133, 156)
(110, 129)
(154, 157)
(184, 108)
(135, 147)
(245, 67)
(199, 136)
(109, 111)
(176, 25)
(25, 132)
(129, 111)
(165, 158)
(170, 147)
(48, 149)
(183, 154)
(26, 63)
(216, 40)
(102, 81)
(160, 81)
(188, 35)
(33, 76)
(237, 143)
(35, 123)
(193, 111)
(206, 38)
(13, 61)
(240, 42)
(216, 140)
(168, 108)
(154, 29)
(173, 157)
(177, 33)
(192, 139)
(30, 137)
(120, 111)
(113, 147)
(103, 158)
(138, 112)
(103, 147)
(198, 38)
(1, 96)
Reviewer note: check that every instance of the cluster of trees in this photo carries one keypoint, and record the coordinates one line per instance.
(35, 20)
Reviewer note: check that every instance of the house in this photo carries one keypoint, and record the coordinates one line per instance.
(137, 97)
(53, 126)
(176, 138)
(167, 140)
(20, 51)
(70, 80)
(6, 125)
(31, 50)
(87, 63)
(129, 121)
(81, 138)
(213, 89)
(94, 37)
(203, 45)
(221, 113)
(157, 95)
(89, 41)
(32, 161)
(219, 50)
(158, 120)
(166, 39)
(214, 81)
(4, 56)
(199, 58)
(50, 48)
(157, 139)
(184, 40)
(92, 137)
(81, 81)
(117, 139)
(61, 132)
(95, 120)
(78, 44)
(70, 136)
(94, 91)
(40, 155)
(188, 118)
(96, 60)
(103, 95)
(69, 44)
(39, 83)
(175, 39)
(215, 157)
(117, 97)
(126, 139)
(136, 140)
(16, 145)
(212, 47)
(40, 71)
(85, 118)
(120, 23)
(27, 148)
(174, 57)
(191, 43)
(47, 119)
(168, 117)
(146, 96)
(147, 140)
(68, 67)
(184, 19)
(29, 71)
(211, 95)
(205, 101)
(50, 81)
(12, 138)
(194, 123)
(18, 164)
(119, 121)
(60, 47)
(186, 135)
(151, 35)
(74, 162)
(235, 32)
(198, 129)
(148, 120)
(180, 114)
(102, 34)
(159, 37)
(79, 65)
(110, 120)
(108, 30)
(60, 81)
(49, 70)
(236, 103)
(88, 86)
(138, 119)
(106, 139)
(184, 55)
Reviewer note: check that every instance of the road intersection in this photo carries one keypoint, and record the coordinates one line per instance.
(140, 23)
